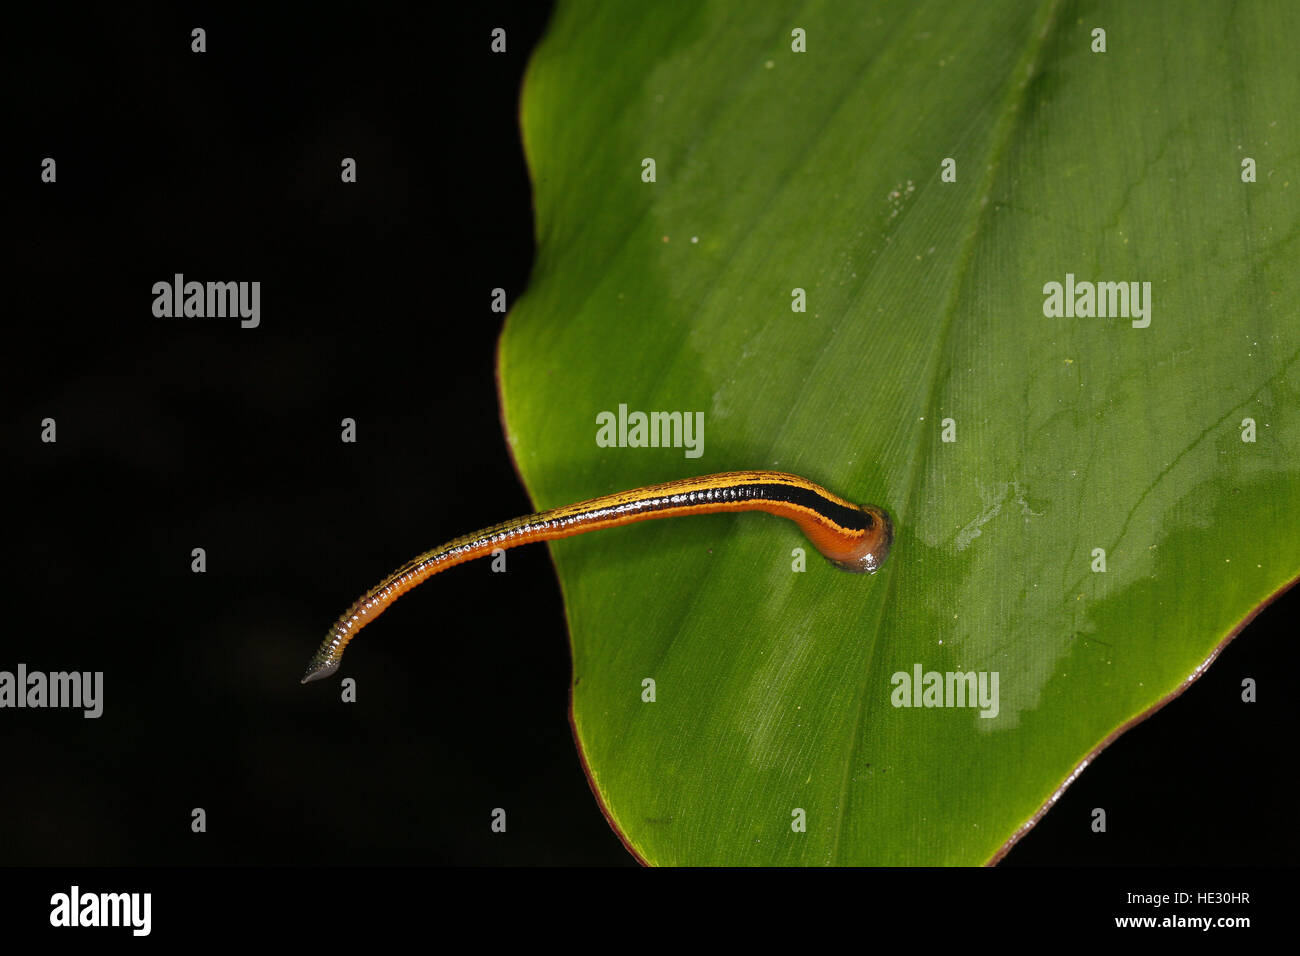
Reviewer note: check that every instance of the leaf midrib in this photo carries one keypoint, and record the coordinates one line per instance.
(1019, 81)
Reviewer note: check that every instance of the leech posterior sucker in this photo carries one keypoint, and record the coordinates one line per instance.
(853, 537)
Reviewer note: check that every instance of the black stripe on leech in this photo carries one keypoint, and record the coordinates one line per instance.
(850, 518)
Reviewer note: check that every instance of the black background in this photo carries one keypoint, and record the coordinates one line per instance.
(183, 433)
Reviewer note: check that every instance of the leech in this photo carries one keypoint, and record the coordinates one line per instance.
(852, 537)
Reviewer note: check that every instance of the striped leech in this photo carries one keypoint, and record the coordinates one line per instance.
(853, 537)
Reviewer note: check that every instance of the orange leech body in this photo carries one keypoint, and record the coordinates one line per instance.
(852, 537)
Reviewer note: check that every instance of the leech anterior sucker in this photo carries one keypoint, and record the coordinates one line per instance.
(852, 537)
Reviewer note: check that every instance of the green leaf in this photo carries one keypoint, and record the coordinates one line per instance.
(778, 170)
